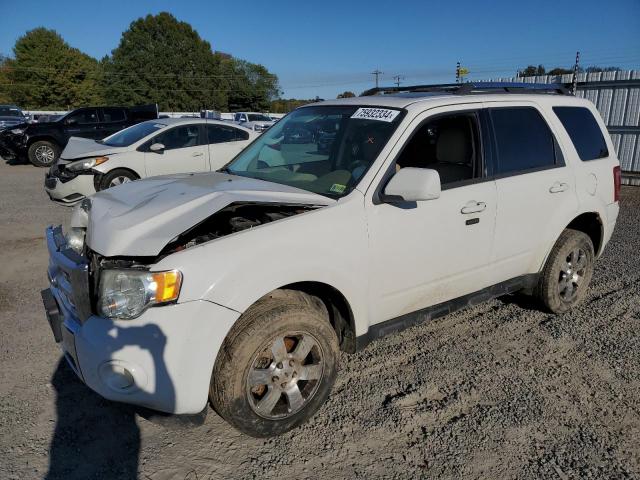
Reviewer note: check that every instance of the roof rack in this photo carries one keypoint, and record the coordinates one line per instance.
(474, 88)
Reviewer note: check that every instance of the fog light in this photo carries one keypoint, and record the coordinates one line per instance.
(121, 377)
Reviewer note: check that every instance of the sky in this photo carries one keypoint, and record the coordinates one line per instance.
(322, 48)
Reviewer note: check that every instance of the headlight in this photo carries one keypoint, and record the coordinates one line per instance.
(86, 164)
(75, 238)
(18, 131)
(125, 294)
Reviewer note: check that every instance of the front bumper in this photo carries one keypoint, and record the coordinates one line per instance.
(161, 360)
(12, 146)
(71, 191)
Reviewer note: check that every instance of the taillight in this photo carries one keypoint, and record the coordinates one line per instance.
(616, 183)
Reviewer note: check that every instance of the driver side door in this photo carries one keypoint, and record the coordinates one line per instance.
(84, 123)
(185, 150)
(428, 252)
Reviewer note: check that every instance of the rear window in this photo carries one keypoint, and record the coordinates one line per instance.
(523, 140)
(583, 131)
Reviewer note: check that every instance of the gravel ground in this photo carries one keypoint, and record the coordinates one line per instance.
(500, 390)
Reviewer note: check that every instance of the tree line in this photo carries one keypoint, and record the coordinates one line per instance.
(158, 60)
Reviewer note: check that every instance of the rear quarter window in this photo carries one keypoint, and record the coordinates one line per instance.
(584, 132)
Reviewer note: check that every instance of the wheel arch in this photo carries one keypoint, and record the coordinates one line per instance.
(591, 224)
(340, 312)
(43, 138)
(97, 178)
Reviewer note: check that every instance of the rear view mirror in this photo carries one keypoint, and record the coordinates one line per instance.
(72, 121)
(413, 185)
(157, 147)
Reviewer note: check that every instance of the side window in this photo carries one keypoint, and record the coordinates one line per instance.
(112, 115)
(179, 137)
(523, 140)
(236, 117)
(583, 131)
(222, 134)
(449, 144)
(85, 116)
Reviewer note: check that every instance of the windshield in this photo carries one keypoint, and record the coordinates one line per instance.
(131, 135)
(10, 112)
(258, 117)
(323, 149)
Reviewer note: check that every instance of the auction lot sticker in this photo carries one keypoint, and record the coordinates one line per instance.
(380, 114)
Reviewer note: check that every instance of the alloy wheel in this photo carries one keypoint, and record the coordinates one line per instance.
(285, 375)
(572, 272)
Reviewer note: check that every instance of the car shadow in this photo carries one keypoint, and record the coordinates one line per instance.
(526, 302)
(95, 437)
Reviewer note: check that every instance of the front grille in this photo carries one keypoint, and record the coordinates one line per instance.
(69, 275)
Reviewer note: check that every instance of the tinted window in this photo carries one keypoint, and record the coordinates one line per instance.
(222, 133)
(583, 131)
(179, 137)
(113, 115)
(523, 140)
(448, 144)
(84, 116)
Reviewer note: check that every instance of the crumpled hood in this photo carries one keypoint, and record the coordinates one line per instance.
(78, 147)
(140, 218)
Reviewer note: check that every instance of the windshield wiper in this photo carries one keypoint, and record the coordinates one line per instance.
(100, 142)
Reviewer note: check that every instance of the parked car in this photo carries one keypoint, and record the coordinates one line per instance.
(10, 116)
(42, 142)
(154, 147)
(253, 120)
(242, 286)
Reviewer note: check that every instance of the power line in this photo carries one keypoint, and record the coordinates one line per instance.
(376, 72)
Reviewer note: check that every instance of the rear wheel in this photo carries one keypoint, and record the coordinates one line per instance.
(277, 365)
(117, 177)
(43, 153)
(567, 273)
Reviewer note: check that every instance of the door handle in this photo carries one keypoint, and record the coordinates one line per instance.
(473, 207)
(558, 187)
(197, 154)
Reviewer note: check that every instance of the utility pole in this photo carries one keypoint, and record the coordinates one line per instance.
(458, 72)
(398, 79)
(376, 72)
(574, 85)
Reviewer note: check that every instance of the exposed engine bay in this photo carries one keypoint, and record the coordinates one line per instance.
(231, 219)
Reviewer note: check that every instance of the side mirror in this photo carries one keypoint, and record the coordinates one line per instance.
(413, 185)
(157, 148)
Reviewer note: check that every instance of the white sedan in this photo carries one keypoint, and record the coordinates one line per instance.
(156, 147)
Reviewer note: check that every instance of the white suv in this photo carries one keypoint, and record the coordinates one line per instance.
(241, 286)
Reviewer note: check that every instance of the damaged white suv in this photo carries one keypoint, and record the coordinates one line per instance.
(241, 286)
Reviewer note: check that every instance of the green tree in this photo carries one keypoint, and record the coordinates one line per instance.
(532, 71)
(45, 72)
(346, 94)
(162, 60)
(4, 80)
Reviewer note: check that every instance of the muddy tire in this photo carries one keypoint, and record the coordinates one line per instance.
(565, 279)
(116, 177)
(43, 153)
(277, 365)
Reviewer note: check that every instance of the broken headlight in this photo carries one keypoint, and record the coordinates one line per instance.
(125, 294)
(75, 238)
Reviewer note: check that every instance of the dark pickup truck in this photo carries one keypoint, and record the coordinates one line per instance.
(42, 143)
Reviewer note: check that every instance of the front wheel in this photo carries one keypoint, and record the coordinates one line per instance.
(43, 153)
(567, 273)
(116, 177)
(277, 365)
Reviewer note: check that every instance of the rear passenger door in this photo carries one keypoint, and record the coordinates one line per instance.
(225, 142)
(185, 150)
(536, 190)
